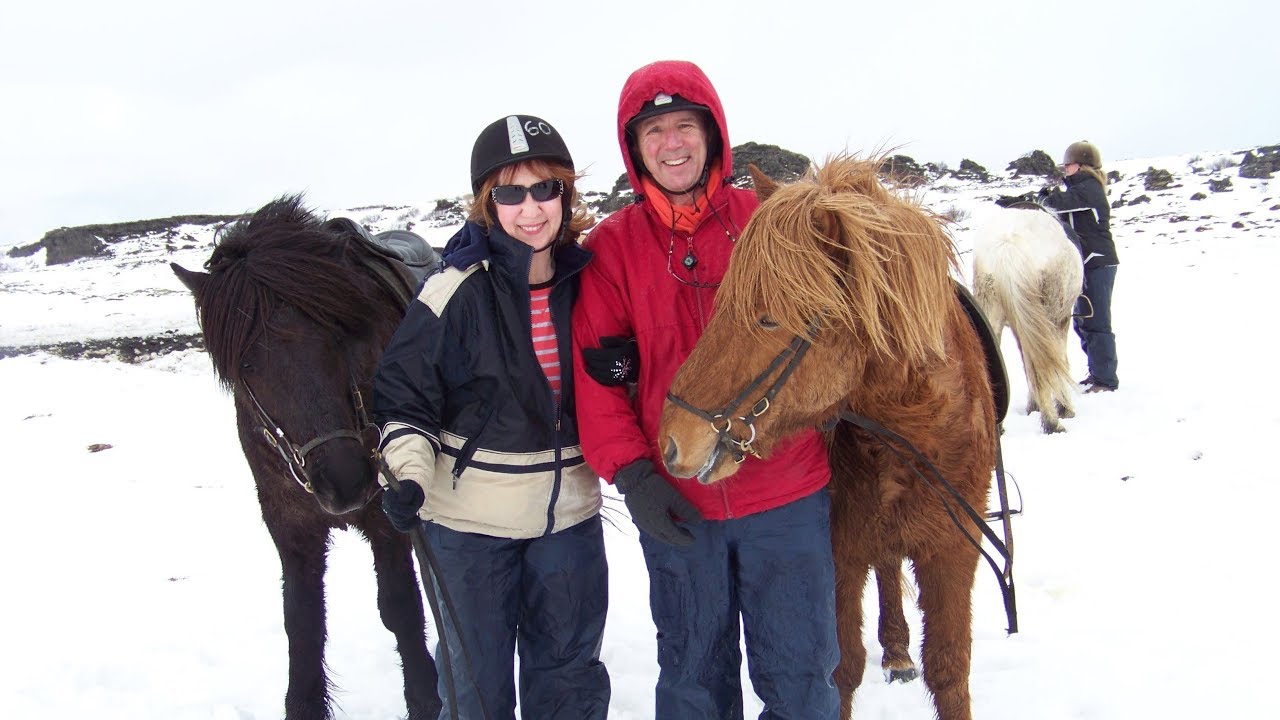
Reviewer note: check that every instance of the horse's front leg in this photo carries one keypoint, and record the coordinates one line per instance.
(894, 634)
(302, 560)
(400, 605)
(946, 586)
(852, 565)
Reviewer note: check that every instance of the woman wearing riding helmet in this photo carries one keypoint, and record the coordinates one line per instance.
(475, 399)
(1084, 205)
(752, 553)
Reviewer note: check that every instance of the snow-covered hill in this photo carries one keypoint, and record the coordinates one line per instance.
(141, 583)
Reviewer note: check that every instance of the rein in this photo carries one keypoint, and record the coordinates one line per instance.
(294, 455)
(429, 564)
(1004, 548)
(792, 355)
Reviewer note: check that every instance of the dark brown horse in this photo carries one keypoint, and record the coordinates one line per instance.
(295, 314)
(839, 298)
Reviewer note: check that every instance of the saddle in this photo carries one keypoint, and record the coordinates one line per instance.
(1027, 201)
(406, 258)
(991, 349)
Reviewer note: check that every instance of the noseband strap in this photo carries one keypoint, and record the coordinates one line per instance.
(295, 456)
(722, 421)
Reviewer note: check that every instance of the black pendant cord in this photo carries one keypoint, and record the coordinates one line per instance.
(690, 260)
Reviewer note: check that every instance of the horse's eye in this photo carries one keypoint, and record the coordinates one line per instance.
(767, 323)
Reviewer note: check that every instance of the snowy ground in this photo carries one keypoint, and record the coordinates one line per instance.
(141, 583)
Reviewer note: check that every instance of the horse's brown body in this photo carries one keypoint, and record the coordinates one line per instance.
(882, 512)
(869, 272)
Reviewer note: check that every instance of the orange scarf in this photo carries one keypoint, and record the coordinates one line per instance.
(685, 217)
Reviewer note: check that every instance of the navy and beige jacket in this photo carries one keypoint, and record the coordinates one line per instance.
(462, 402)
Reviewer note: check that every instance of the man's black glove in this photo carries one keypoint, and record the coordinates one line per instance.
(654, 504)
(615, 362)
(402, 507)
(1044, 191)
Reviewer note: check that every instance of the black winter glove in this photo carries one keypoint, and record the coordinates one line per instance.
(615, 362)
(654, 504)
(1044, 191)
(402, 507)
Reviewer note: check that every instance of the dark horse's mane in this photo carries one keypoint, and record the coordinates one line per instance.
(283, 255)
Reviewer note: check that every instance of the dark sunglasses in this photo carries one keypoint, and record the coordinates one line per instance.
(540, 191)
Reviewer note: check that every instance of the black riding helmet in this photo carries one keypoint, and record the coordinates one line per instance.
(515, 139)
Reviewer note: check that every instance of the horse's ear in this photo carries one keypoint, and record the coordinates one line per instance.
(765, 186)
(193, 280)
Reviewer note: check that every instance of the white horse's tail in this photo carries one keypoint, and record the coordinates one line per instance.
(1028, 272)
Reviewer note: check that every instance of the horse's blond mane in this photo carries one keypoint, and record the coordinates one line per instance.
(842, 250)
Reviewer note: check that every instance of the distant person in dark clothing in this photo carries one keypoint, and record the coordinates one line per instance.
(1083, 205)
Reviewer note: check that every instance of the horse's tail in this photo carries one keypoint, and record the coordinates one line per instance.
(1033, 285)
(1042, 334)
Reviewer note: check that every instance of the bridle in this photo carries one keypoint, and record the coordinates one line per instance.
(932, 478)
(722, 420)
(294, 455)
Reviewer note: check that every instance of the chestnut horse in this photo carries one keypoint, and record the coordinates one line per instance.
(1027, 276)
(839, 299)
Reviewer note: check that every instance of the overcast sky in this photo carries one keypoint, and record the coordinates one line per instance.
(140, 108)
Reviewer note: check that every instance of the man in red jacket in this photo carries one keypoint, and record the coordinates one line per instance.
(752, 552)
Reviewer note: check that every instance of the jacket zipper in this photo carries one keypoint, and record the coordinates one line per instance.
(469, 448)
(556, 402)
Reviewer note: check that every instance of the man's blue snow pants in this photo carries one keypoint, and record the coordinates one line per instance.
(773, 570)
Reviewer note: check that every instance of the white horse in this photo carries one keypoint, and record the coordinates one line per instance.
(1027, 275)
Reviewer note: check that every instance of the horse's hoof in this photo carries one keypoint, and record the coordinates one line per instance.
(902, 675)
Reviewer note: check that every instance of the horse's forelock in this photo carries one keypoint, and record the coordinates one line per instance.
(852, 275)
(281, 256)
(782, 247)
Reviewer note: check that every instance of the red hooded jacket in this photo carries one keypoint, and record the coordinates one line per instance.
(629, 290)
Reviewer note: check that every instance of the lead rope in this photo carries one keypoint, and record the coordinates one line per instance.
(427, 560)
(1005, 550)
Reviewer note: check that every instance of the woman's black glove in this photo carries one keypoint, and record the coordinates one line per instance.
(1005, 201)
(655, 506)
(615, 362)
(402, 507)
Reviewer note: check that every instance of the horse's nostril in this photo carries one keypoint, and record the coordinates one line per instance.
(669, 457)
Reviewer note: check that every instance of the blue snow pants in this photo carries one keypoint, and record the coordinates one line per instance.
(544, 596)
(1096, 338)
(773, 570)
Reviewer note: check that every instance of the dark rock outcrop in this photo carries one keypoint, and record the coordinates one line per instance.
(67, 244)
(1036, 162)
(1155, 179)
(1260, 164)
(970, 170)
